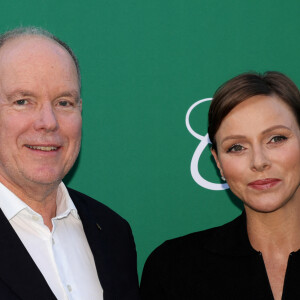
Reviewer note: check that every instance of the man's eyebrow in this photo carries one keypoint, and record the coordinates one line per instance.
(20, 93)
(70, 94)
(24, 93)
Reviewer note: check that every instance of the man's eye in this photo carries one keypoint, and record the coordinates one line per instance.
(21, 102)
(235, 148)
(278, 139)
(64, 103)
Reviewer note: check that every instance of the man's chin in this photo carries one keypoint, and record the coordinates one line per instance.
(44, 178)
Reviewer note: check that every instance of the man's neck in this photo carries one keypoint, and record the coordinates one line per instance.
(40, 198)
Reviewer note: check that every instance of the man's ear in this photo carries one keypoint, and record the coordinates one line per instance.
(215, 155)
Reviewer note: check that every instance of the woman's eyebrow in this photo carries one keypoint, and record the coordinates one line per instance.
(233, 137)
(275, 127)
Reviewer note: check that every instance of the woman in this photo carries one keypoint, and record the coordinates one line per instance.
(254, 127)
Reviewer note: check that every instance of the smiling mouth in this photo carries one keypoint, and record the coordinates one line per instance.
(42, 148)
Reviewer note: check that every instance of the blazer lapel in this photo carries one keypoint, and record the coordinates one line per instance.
(99, 243)
(17, 269)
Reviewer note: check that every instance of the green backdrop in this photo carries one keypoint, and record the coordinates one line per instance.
(144, 63)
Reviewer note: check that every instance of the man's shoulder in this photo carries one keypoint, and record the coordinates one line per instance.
(89, 206)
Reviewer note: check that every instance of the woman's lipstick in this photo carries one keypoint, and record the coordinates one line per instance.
(264, 184)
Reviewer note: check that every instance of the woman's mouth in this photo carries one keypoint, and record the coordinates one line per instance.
(264, 184)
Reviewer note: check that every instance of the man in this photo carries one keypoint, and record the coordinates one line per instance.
(55, 243)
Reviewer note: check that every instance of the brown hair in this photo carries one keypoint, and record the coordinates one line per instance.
(244, 86)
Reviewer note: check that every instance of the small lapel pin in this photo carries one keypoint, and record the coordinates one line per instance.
(98, 226)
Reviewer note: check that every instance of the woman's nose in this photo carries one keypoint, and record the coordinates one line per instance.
(259, 160)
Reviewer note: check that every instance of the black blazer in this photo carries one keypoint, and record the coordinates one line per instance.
(215, 264)
(111, 242)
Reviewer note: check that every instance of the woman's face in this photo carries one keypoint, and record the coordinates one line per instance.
(258, 146)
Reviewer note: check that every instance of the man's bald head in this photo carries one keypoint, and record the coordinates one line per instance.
(35, 31)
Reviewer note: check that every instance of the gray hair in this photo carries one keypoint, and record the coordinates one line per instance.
(31, 30)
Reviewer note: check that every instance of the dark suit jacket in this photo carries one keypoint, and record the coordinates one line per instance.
(111, 242)
(215, 264)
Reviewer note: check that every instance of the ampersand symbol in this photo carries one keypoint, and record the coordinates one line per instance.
(204, 141)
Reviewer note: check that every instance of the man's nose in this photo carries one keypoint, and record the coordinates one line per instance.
(46, 118)
(260, 160)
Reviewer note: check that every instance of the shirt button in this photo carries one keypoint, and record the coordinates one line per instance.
(53, 242)
(35, 218)
(69, 288)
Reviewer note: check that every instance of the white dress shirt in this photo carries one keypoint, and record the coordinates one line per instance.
(63, 255)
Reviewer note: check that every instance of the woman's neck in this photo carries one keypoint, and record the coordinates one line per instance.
(275, 231)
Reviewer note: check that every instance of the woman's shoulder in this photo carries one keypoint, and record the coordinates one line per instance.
(195, 263)
(213, 240)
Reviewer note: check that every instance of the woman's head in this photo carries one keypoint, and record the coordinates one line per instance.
(256, 138)
(245, 86)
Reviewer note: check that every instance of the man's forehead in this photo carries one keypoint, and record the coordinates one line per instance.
(32, 46)
(30, 63)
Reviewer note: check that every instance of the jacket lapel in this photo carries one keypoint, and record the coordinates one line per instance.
(17, 269)
(99, 244)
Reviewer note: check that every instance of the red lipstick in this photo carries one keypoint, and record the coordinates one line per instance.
(264, 184)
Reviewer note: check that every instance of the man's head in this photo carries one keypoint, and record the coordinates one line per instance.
(40, 110)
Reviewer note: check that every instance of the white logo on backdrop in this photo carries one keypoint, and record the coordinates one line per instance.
(204, 141)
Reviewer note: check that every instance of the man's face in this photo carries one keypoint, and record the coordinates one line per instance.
(40, 112)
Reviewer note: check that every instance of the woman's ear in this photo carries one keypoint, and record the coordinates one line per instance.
(215, 155)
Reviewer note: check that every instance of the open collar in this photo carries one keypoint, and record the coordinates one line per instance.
(12, 205)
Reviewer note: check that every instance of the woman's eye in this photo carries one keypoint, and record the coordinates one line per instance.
(21, 102)
(235, 148)
(278, 139)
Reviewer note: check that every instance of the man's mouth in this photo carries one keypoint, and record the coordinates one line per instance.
(42, 148)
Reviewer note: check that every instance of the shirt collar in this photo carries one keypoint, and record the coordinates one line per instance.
(64, 203)
(11, 205)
